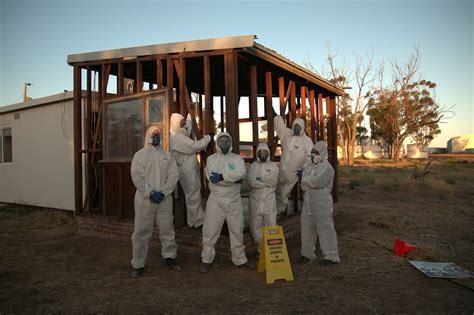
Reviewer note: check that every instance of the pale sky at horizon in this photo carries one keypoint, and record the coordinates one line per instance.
(37, 36)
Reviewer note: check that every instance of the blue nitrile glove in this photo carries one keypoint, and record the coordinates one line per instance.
(299, 173)
(156, 196)
(216, 177)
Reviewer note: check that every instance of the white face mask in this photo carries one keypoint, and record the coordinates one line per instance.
(316, 159)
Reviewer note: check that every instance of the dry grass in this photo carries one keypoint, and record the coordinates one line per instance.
(430, 187)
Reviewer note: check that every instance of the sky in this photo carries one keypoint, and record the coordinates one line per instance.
(36, 36)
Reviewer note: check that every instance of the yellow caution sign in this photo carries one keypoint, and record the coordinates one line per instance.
(274, 255)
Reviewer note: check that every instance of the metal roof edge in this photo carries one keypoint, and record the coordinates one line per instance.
(37, 102)
(194, 45)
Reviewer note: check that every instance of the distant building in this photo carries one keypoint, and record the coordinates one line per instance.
(36, 152)
(461, 144)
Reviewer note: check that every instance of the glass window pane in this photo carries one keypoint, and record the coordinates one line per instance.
(156, 109)
(124, 128)
(7, 145)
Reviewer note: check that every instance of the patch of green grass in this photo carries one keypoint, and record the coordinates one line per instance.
(15, 211)
(35, 217)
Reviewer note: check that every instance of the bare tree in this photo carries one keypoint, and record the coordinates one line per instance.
(350, 107)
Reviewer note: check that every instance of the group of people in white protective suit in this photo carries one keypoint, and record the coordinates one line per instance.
(155, 173)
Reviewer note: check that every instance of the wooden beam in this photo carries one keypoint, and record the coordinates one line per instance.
(231, 98)
(181, 70)
(313, 116)
(208, 97)
(139, 79)
(281, 93)
(120, 79)
(159, 73)
(303, 104)
(87, 140)
(328, 125)
(253, 106)
(169, 81)
(320, 117)
(292, 103)
(77, 140)
(269, 112)
(333, 146)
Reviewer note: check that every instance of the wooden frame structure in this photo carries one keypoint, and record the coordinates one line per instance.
(224, 69)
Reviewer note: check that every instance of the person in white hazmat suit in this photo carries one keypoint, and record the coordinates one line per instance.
(263, 179)
(154, 174)
(296, 147)
(225, 172)
(184, 150)
(317, 214)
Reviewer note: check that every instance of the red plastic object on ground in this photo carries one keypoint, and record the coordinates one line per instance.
(400, 248)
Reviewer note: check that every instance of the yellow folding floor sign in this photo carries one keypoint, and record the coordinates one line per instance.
(274, 255)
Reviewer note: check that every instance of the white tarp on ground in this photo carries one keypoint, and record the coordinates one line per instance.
(442, 270)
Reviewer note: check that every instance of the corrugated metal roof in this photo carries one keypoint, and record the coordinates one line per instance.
(169, 48)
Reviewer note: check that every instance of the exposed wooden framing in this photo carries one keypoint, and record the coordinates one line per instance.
(77, 140)
(159, 73)
(253, 106)
(291, 68)
(120, 79)
(281, 93)
(269, 112)
(313, 116)
(231, 98)
(139, 78)
(320, 117)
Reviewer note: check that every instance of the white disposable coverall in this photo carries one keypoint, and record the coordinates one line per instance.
(184, 151)
(224, 204)
(295, 151)
(316, 216)
(153, 169)
(262, 194)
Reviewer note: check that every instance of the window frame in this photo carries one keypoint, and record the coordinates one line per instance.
(144, 96)
(2, 143)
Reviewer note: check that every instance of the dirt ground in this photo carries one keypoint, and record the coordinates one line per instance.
(45, 267)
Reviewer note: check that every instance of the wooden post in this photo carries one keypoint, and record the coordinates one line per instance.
(320, 117)
(77, 140)
(303, 105)
(292, 103)
(159, 73)
(281, 93)
(221, 105)
(139, 79)
(120, 79)
(333, 146)
(313, 116)
(231, 98)
(87, 140)
(269, 112)
(253, 107)
(169, 81)
(182, 85)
